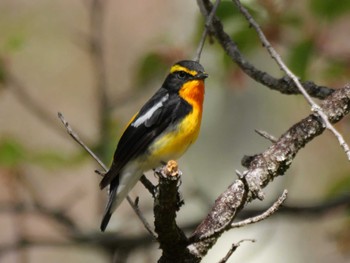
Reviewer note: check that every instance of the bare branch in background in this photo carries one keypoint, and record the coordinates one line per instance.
(206, 30)
(283, 85)
(316, 108)
(76, 138)
(266, 135)
(269, 212)
(233, 249)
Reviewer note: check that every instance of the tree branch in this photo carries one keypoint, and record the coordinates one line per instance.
(278, 157)
(283, 85)
(205, 31)
(269, 212)
(291, 75)
(233, 249)
(171, 238)
(262, 169)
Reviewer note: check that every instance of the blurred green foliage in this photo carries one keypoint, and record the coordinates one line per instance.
(335, 69)
(150, 67)
(300, 56)
(237, 26)
(52, 159)
(14, 43)
(329, 9)
(340, 186)
(2, 71)
(226, 10)
(14, 154)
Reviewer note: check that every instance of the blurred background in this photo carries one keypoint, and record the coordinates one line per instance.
(98, 61)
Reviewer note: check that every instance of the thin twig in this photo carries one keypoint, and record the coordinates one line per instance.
(141, 217)
(251, 220)
(264, 215)
(148, 185)
(266, 135)
(233, 249)
(314, 107)
(205, 31)
(75, 136)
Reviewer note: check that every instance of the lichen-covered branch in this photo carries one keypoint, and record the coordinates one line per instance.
(219, 219)
(278, 157)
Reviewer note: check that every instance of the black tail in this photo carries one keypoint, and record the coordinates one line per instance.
(105, 221)
(110, 176)
(108, 213)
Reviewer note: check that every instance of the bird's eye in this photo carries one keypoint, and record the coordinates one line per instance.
(181, 74)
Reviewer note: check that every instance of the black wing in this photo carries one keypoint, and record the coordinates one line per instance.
(142, 131)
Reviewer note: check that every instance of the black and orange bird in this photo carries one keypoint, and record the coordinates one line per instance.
(162, 130)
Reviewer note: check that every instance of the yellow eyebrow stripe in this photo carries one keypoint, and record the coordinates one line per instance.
(181, 68)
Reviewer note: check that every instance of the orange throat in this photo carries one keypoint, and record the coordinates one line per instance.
(193, 93)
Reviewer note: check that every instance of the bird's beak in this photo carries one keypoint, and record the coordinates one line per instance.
(201, 75)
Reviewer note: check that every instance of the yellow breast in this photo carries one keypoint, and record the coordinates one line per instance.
(174, 143)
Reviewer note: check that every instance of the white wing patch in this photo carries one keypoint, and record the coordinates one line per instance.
(148, 114)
